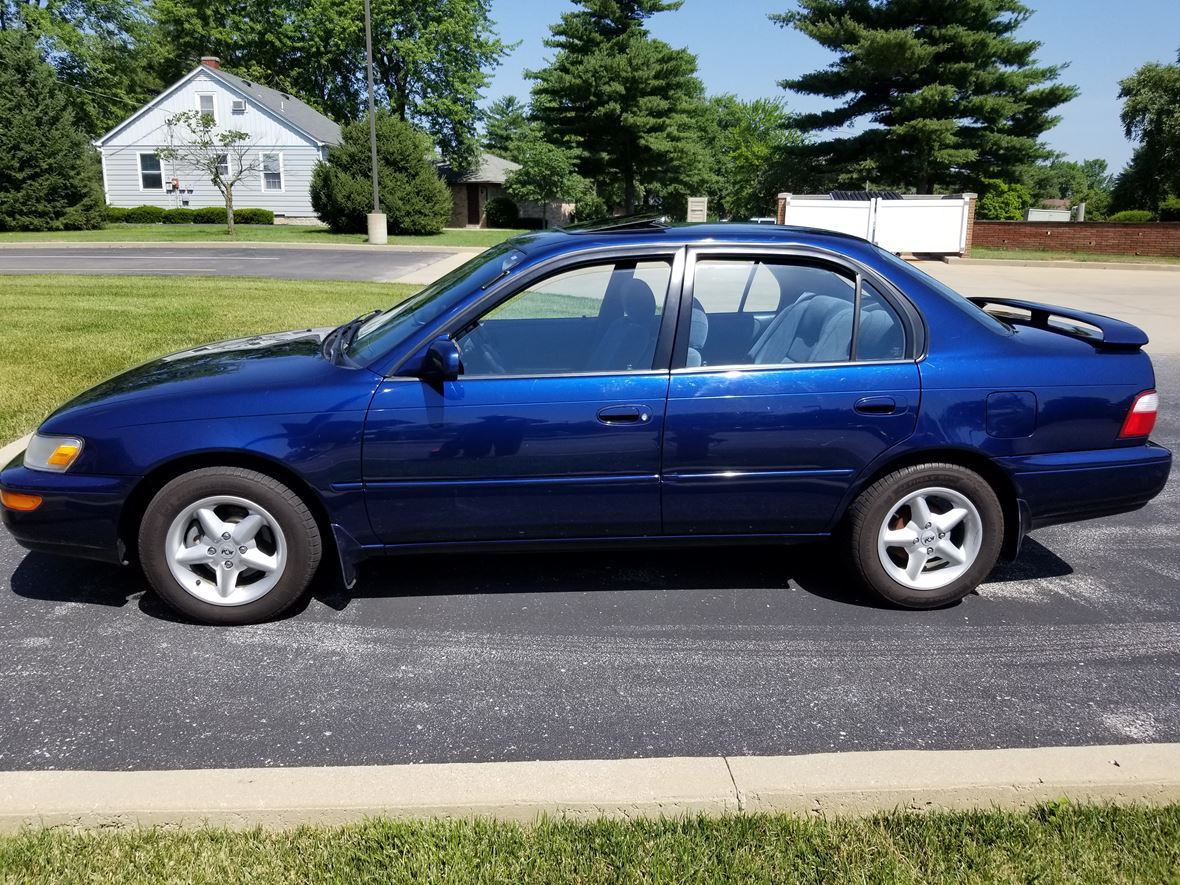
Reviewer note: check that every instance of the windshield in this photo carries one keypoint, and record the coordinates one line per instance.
(389, 327)
(958, 300)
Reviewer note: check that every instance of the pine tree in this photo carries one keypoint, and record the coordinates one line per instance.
(620, 99)
(951, 95)
(506, 121)
(50, 177)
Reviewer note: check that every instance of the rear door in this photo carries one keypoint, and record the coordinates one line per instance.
(769, 419)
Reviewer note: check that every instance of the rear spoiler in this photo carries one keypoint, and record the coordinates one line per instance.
(1115, 333)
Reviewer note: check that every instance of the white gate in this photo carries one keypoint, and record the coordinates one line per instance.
(924, 224)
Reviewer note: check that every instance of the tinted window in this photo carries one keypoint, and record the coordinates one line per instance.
(599, 318)
(881, 335)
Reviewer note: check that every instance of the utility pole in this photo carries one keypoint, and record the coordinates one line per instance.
(378, 231)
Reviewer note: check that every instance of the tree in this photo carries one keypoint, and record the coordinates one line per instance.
(1002, 200)
(746, 151)
(224, 158)
(430, 57)
(506, 121)
(50, 177)
(1086, 182)
(950, 94)
(413, 197)
(1151, 118)
(546, 175)
(620, 99)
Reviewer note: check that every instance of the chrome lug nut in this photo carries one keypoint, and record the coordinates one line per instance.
(228, 564)
(928, 550)
(225, 536)
(212, 551)
(243, 549)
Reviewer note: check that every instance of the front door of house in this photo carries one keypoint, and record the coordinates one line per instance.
(473, 213)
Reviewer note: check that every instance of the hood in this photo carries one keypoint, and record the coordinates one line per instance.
(277, 373)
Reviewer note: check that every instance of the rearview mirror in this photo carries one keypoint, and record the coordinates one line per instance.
(443, 361)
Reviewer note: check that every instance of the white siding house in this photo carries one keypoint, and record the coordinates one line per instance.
(287, 136)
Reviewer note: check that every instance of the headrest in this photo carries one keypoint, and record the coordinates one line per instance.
(639, 301)
(698, 330)
(816, 313)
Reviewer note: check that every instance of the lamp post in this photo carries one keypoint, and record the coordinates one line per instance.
(378, 231)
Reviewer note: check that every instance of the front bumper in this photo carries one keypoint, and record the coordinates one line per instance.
(1070, 486)
(79, 514)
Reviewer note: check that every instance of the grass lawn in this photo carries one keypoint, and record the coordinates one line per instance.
(1037, 255)
(63, 333)
(1055, 843)
(246, 233)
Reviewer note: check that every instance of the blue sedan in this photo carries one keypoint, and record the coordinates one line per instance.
(629, 383)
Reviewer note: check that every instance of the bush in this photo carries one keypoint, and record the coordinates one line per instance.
(1170, 209)
(1001, 201)
(209, 215)
(116, 214)
(144, 215)
(253, 216)
(181, 215)
(502, 212)
(1132, 216)
(590, 207)
(414, 199)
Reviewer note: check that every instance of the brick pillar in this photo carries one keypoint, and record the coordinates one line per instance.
(784, 200)
(972, 200)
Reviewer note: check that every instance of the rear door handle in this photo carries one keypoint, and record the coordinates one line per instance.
(876, 405)
(624, 415)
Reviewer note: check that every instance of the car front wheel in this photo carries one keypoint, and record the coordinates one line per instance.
(926, 536)
(225, 545)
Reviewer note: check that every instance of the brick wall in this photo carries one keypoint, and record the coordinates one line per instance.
(1160, 240)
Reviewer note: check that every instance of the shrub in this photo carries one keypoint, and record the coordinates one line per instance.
(590, 207)
(1170, 209)
(253, 216)
(414, 199)
(1131, 216)
(180, 215)
(502, 212)
(116, 214)
(209, 215)
(1001, 201)
(144, 215)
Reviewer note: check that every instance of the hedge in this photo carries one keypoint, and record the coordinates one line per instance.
(144, 215)
(180, 215)
(116, 214)
(1132, 216)
(502, 212)
(253, 216)
(1170, 209)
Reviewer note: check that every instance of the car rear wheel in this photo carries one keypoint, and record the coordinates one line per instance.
(926, 536)
(227, 545)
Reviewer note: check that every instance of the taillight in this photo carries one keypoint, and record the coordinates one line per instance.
(1141, 419)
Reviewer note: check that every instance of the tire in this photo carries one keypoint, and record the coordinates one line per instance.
(261, 569)
(926, 536)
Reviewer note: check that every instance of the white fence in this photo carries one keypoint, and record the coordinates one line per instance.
(935, 225)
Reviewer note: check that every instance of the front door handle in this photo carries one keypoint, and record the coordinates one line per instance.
(876, 405)
(624, 415)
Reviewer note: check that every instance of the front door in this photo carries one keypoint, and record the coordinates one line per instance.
(474, 213)
(552, 430)
(792, 376)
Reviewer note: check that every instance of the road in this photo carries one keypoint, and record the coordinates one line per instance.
(691, 653)
(379, 265)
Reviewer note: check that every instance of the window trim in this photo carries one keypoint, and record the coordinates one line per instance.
(139, 163)
(913, 325)
(213, 101)
(282, 188)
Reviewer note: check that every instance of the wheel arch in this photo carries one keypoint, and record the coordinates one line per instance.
(994, 475)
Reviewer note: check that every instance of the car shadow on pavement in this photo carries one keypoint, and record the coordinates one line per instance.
(813, 568)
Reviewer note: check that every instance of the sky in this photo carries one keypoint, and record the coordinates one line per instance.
(740, 51)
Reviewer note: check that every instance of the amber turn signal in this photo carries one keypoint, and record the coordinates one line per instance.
(19, 500)
(64, 455)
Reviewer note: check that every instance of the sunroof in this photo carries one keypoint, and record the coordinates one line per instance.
(627, 223)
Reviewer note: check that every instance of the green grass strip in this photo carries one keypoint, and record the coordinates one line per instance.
(1060, 842)
(1037, 255)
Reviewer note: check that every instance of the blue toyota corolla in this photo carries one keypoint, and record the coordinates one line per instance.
(627, 383)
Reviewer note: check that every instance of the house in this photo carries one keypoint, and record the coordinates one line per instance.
(471, 192)
(289, 137)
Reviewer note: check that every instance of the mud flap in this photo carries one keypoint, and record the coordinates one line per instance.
(350, 553)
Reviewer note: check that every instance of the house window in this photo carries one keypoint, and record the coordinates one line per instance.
(272, 172)
(223, 166)
(151, 175)
(205, 105)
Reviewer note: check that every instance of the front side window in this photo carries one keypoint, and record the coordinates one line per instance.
(151, 175)
(272, 172)
(602, 318)
(765, 313)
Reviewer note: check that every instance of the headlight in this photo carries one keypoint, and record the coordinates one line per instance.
(54, 454)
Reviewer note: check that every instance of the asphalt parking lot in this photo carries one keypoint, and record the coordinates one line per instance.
(735, 651)
(285, 263)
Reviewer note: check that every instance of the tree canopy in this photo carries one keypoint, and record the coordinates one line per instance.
(1151, 119)
(506, 122)
(947, 92)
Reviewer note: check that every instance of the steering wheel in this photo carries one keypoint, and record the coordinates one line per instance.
(479, 356)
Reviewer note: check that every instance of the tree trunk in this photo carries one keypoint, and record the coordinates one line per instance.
(229, 210)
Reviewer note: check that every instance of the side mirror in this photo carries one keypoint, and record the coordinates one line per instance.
(443, 361)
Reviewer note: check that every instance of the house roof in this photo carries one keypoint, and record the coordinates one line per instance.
(298, 115)
(491, 170)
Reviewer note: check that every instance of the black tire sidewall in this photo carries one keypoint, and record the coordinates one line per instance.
(874, 505)
(298, 526)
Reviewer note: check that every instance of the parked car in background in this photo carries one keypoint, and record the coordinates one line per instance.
(622, 384)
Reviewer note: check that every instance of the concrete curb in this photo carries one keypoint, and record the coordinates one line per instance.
(10, 451)
(827, 783)
(1076, 265)
(216, 244)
